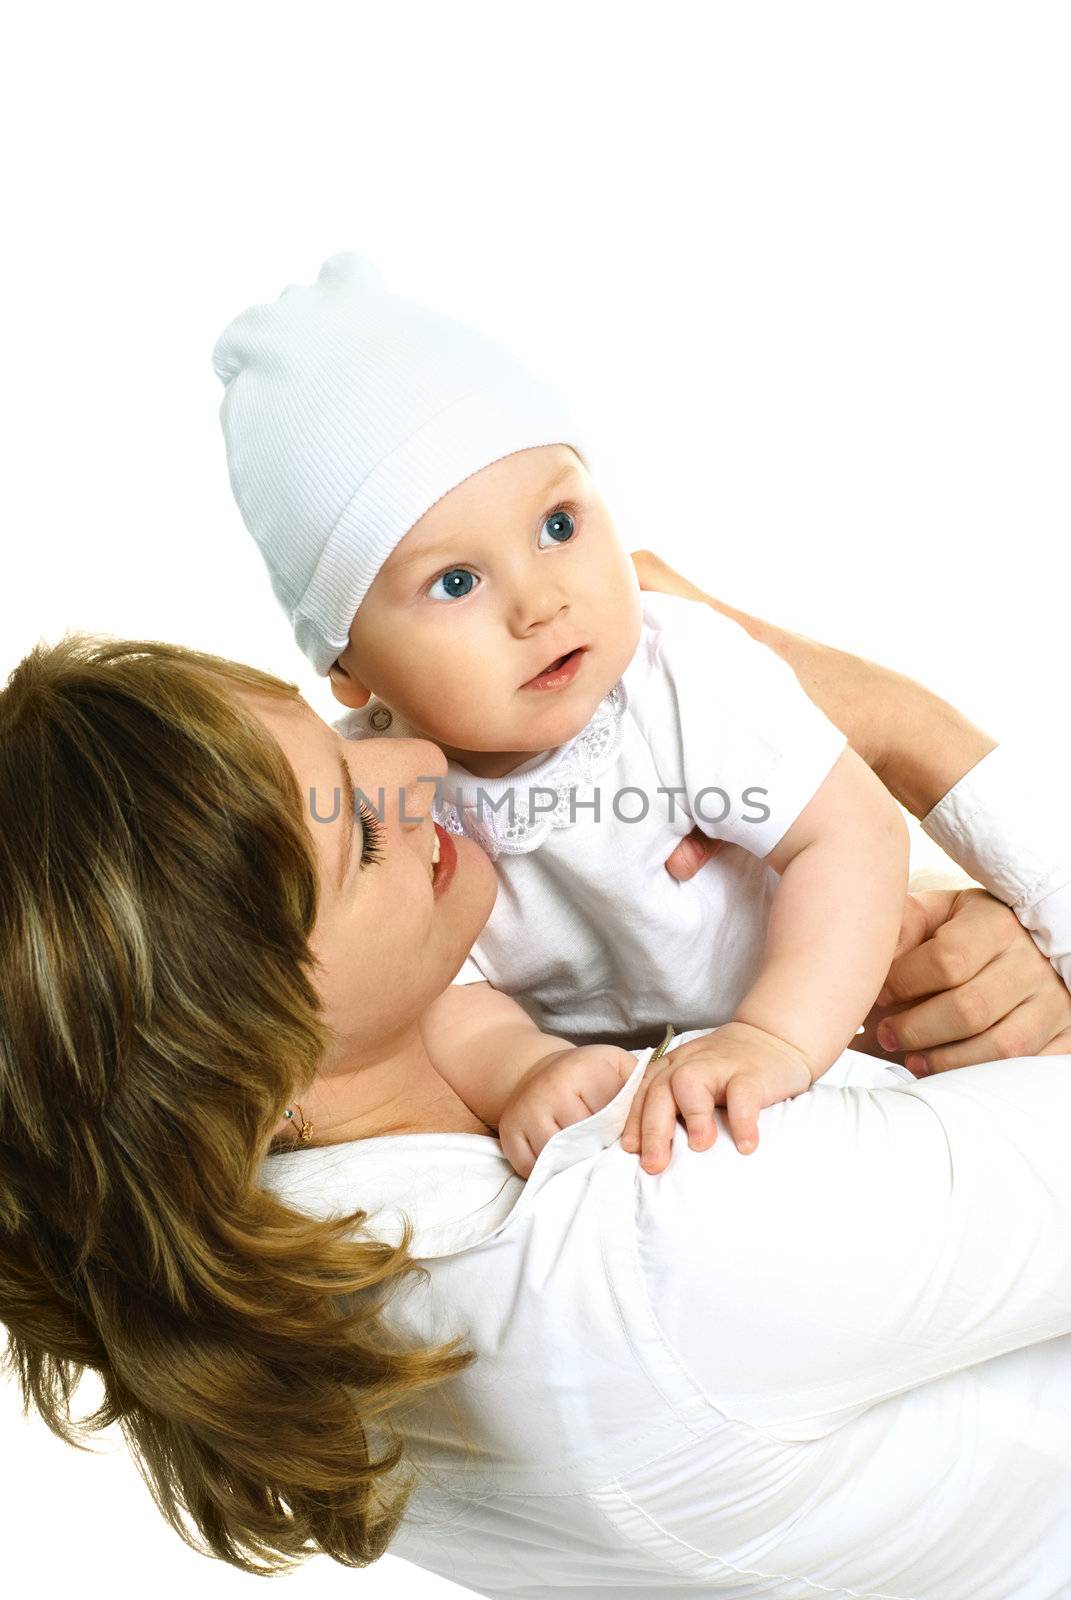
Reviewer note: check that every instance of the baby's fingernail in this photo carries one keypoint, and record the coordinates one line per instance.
(917, 1064)
(746, 1146)
(886, 1035)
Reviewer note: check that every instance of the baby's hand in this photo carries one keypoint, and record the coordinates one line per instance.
(738, 1066)
(564, 1087)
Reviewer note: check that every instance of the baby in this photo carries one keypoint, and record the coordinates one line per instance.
(430, 523)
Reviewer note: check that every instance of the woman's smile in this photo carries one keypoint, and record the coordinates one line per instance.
(443, 861)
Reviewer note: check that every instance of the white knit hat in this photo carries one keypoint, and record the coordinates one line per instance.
(350, 411)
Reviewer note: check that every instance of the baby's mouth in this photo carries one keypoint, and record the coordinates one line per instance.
(556, 664)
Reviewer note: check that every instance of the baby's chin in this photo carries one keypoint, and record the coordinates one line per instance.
(515, 741)
(548, 717)
(522, 724)
(545, 727)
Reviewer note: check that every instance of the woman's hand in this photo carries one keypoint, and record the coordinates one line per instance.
(967, 984)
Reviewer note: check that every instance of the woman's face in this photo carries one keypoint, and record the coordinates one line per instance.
(388, 939)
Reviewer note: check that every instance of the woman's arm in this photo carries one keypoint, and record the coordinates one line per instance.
(918, 744)
(984, 988)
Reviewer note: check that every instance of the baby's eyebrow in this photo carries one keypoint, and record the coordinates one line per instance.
(427, 558)
(421, 558)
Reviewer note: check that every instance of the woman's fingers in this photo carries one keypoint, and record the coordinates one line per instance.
(947, 942)
(1039, 1025)
(983, 990)
(693, 852)
(924, 912)
(965, 1011)
(1015, 1006)
(1008, 1038)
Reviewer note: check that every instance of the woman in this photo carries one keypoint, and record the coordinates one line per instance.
(840, 1367)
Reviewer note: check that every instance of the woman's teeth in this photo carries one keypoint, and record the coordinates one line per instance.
(435, 852)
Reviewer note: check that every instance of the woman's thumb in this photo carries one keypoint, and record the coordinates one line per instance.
(924, 912)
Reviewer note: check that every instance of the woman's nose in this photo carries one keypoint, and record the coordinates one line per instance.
(422, 768)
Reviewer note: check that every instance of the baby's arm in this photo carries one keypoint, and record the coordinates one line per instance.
(525, 1083)
(833, 929)
(835, 918)
(483, 1043)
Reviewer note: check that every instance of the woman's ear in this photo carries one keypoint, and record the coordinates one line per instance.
(347, 689)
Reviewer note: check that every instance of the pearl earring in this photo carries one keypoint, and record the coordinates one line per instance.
(304, 1133)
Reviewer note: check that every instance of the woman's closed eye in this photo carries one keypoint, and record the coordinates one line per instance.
(457, 582)
(371, 836)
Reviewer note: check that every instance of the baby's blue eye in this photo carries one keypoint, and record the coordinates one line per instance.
(561, 526)
(457, 583)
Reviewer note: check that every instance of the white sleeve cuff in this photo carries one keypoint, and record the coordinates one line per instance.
(1006, 823)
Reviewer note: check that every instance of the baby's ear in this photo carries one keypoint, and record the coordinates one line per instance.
(347, 689)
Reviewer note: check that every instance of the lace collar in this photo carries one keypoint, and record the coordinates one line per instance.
(502, 814)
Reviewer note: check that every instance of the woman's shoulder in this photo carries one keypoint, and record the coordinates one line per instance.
(691, 657)
(675, 630)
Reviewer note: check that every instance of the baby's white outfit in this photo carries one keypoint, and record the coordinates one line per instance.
(589, 932)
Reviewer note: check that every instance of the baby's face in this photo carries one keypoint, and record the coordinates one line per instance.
(517, 566)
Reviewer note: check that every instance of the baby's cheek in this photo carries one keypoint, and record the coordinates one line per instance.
(426, 693)
(466, 714)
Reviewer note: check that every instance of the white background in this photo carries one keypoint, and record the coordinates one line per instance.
(801, 268)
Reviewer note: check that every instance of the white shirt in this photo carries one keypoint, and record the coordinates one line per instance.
(839, 1366)
(589, 932)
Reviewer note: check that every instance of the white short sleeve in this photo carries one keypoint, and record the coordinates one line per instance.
(728, 722)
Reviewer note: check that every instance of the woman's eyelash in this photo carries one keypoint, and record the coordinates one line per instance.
(372, 834)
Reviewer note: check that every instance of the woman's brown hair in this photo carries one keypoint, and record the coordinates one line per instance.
(157, 888)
